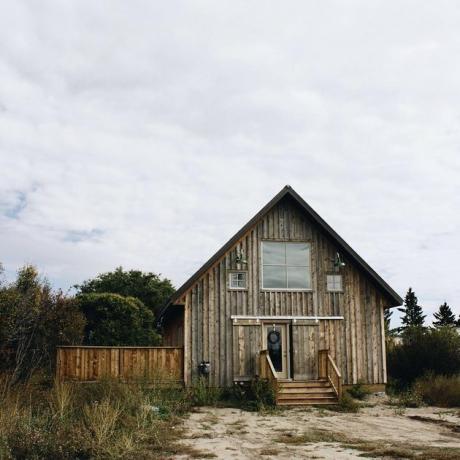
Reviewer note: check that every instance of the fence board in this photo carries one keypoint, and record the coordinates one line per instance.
(86, 363)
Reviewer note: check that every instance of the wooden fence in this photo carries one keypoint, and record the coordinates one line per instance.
(86, 363)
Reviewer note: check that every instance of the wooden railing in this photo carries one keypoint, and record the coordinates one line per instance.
(266, 369)
(88, 363)
(328, 370)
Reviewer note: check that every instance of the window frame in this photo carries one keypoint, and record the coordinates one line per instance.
(341, 282)
(286, 289)
(229, 280)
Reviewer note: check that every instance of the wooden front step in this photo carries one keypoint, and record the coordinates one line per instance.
(303, 383)
(304, 393)
(310, 391)
(307, 402)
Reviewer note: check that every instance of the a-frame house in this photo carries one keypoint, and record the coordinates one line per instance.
(286, 298)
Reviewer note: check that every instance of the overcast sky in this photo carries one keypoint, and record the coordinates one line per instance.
(146, 133)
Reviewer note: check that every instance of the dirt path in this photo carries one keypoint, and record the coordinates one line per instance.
(382, 431)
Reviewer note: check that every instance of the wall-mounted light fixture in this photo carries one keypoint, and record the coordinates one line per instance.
(239, 258)
(338, 261)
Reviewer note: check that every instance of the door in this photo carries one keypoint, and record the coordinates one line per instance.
(277, 343)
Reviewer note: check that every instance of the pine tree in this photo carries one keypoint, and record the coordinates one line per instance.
(444, 316)
(413, 313)
(387, 314)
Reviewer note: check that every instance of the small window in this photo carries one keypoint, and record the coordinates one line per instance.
(334, 283)
(238, 280)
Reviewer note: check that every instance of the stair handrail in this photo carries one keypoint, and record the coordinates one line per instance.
(328, 370)
(267, 370)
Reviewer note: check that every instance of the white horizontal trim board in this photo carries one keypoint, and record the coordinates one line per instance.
(235, 318)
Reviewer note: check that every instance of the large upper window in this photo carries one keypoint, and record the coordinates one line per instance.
(286, 265)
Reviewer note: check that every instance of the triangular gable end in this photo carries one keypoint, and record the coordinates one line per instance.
(287, 191)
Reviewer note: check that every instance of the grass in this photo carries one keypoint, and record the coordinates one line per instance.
(374, 449)
(104, 420)
(454, 427)
(358, 391)
(311, 436)
(399, 450)
(346, 404)
(201, 394)
(269, 451)
(439, 390)
(410, 398)
(108, 419)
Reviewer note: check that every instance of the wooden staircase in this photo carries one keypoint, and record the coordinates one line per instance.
(326, 390)
(305, 393)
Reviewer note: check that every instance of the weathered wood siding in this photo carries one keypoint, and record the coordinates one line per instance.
(173, 336)
(356, 343)
(93, 363)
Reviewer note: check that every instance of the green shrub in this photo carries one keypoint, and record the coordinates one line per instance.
(202, 394)
(33, 320)
(262, 394)
(256, 395)
(358, 391)
(409, 398)
(422, 351)
(439, 390)
(347, 404)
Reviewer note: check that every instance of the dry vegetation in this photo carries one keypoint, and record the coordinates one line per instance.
(147, 421)
(103, 420)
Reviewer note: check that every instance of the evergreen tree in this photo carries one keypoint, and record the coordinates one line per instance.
(413, 313)
(387, 314)
(444, 316)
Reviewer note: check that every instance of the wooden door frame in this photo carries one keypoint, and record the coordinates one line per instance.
(286, 357)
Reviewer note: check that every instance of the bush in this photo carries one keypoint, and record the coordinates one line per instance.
(262, 394)
(201, 394)
(347, 404)
(409, 398)
(422, 351)
(33, 320)
(256, 395)
(358, 391)
(439, 390)
(116, 320)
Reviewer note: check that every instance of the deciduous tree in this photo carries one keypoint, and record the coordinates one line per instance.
(149, 288)
(113, 319)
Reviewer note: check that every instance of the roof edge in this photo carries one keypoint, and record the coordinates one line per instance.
(287, 190)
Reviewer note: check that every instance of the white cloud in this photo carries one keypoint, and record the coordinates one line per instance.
(145, 134)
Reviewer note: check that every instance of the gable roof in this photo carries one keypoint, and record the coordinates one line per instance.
(287, 191)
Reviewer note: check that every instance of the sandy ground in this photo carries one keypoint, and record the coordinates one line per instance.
(234, 434)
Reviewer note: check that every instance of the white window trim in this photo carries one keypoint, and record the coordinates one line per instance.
(341, 282)
(262, 288)
(237, 288)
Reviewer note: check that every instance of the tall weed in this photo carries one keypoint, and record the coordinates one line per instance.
(109, 419)
(202, 394)
(439, 390)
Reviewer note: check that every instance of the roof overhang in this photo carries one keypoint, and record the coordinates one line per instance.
(393, 296)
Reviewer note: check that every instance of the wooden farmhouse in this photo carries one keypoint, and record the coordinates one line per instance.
(285, 299)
